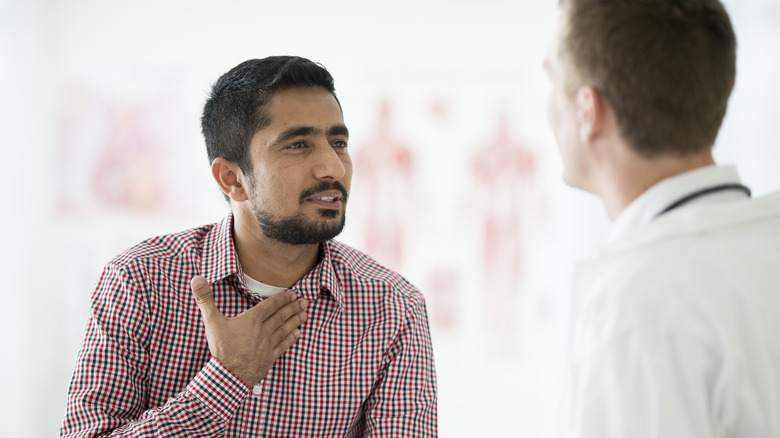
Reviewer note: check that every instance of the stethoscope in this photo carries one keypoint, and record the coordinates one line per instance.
(707, 191)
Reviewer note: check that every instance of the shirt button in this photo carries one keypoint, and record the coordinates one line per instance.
(257, 389)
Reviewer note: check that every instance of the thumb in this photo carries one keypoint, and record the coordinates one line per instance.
(203, 297)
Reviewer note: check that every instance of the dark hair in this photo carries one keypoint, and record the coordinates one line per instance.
(666, 67)
(236, 108)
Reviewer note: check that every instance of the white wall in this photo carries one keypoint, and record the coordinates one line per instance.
(100, 108)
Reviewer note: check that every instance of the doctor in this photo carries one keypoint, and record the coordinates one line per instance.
(677, 321)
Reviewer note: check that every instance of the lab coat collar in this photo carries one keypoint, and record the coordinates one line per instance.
(698, 219)
(645, 208)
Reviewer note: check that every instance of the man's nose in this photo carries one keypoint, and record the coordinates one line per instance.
(328, 164)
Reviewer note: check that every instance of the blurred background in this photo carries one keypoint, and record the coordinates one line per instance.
(457, 180)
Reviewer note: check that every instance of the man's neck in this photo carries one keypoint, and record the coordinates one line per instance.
(270, 261)
(633, 175)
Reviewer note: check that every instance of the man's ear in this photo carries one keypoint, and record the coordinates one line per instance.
(230, 179)
(591, 114)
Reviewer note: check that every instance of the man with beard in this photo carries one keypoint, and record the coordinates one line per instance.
(289, 333)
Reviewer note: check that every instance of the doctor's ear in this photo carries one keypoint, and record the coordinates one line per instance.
(591, 112)
(230, 179)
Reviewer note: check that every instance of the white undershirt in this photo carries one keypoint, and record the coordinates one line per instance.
(262, 289)
(642, 210)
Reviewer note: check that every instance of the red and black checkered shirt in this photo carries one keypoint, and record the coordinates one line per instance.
(363, 365)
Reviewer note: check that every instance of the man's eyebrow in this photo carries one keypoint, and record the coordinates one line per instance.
(339, 130)
(294, 132)
(303, 131)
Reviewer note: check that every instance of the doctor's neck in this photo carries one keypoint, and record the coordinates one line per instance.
(629, 175)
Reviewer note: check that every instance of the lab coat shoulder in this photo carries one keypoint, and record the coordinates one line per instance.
(687, 267)
(671, 326)
(630, 332)
(638, 286)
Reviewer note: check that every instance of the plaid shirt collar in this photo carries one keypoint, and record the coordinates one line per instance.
(220, 262)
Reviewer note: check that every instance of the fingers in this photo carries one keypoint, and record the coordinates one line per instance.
(270, 306)
(286, 342)
(279, 314)
(203, 297)
(289, 325)
(295, 311)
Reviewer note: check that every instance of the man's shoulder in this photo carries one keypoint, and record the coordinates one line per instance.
(166, 246)
(364, 268)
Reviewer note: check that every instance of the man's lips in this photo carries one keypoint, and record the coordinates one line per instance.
(331, 195)
(329, 199)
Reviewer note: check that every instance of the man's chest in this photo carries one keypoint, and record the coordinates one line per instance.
(317, 388)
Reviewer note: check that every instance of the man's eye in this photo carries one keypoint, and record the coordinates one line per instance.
(297, 145)
(340, 144)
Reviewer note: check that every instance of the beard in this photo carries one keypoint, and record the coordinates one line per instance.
(299, 230)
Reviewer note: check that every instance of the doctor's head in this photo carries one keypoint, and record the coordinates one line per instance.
(663, 70)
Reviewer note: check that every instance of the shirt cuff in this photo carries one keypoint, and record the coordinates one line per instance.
(219, 389)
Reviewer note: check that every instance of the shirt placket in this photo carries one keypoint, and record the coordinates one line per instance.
(260, 396)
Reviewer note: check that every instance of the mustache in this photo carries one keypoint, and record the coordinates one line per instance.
(321, 187)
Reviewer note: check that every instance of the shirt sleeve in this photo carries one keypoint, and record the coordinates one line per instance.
(404, 402)
(644, 384)
(109, 389)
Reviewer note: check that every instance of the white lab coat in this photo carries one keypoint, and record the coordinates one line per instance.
(677, 328)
